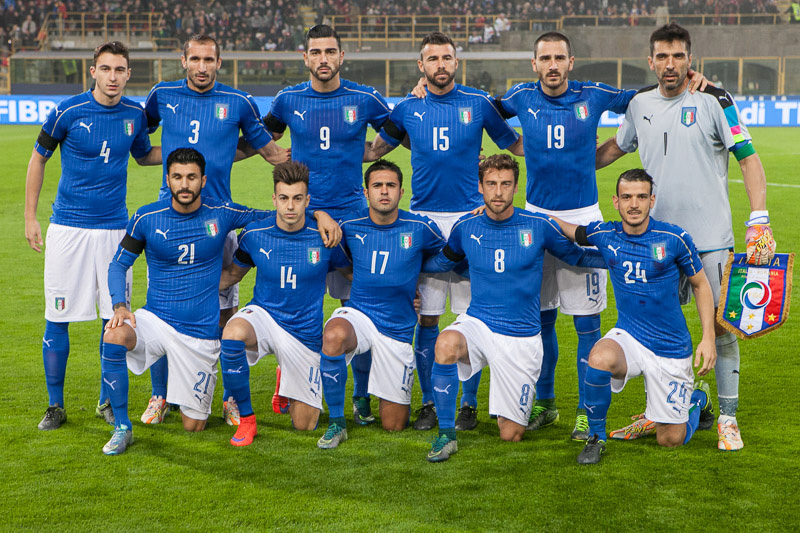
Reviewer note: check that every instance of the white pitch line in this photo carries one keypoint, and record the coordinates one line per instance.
(790, 185)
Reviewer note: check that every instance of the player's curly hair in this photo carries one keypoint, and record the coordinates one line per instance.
(552, 37)
(670, 33)
(289, 173)
(383, 164)
(186, 156)
(635, 174)
(498, 162)
(111, 47)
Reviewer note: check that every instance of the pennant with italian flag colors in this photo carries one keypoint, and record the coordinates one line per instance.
(755, 299)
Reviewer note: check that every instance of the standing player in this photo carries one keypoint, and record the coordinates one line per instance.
(204, 114)
(684, 142)
(285, 315)
(387, 247)
(445, 131)
(96, 130)
(504, 248)
(645, 258)
(328, 118)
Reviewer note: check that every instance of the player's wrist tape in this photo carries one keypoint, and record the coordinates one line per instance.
(758, 217)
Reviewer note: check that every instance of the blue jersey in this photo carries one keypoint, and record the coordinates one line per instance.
(328, 135)
(386, 264)
(446, 133)
(184, 260)
(644, 270)
(505, 266)
(290, 275)
(209, 122)
(95, 143)
(560, 137)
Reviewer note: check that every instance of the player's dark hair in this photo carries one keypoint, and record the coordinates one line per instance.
(498, 162)
(383, 164)
(202, 39)
(552, 37)
(635, 174)
(289, 173)
(436, 37)
(111, 47)
(670, 33)
(186, 156)
(321, 31)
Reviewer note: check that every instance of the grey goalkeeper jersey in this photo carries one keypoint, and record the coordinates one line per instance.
(684, 144)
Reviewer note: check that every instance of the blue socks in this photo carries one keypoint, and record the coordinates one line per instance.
(598, 398)
(361, 364)
(698, 401)
(588, 330)
(159, 373)
(115, 378)
(225, 392)
(334, 377)
(469, 390)
(424, 344)
(55, 351)
(236, 375)
(545, 385)
(444, 379)
(103, 391)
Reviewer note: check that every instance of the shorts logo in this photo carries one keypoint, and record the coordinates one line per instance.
(313, 256)
(525, 237)
(465, 115)
(221, 111)
(212, 228)
(582, 110)
(61, 303)
(128, 127)
(659, 251)
(350, 114)
(405, 241)
(246, 311)
(688, 116)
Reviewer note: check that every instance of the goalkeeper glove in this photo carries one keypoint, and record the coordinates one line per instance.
(760, 242)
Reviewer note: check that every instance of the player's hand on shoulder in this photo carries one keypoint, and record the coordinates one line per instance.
(276, 154)
(329, 229)
(33, 233)
(478, 210)
(419, 89)
(121, 314)
(697, 82)
(707, 355)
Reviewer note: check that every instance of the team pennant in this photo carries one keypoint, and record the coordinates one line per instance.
(755, 299)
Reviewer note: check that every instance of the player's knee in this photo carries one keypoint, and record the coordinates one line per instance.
(448, 347)
(394, 424)
(672, 438)
(333, 339)
(428, 321)
(119, 335)
(509, 431)
(192, 425)
(601, 359)
(235, 331)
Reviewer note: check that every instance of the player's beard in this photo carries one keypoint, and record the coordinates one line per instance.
(553, 83)
(327, 76)
(680, 77)
(177, 198)
(497, 211)
(206, 84)
(433, 81)
(644, 215)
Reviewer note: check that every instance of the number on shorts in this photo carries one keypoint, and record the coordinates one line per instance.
(525, 397)
(592, 284)
(680, 388)
(204, 377)
(313, 376)
(500, 260)
(408, 375)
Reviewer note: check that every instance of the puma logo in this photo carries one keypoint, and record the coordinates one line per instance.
(315, 392)
(583, 360)
(534, 113)
(265, 253)
(614, 249)
(162, 233)
(648, 119)
(87, 126)
(592, 299)
(234, 370)
(173, 107)
(589, 408)
(301, 115)
(110, 383)
(423, 353)
(334, 378)
(419, 116)
(361, 237)
(46, 342)
(444, 390)
(477, 239)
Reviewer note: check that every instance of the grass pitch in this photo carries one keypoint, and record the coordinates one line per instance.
(169, 480)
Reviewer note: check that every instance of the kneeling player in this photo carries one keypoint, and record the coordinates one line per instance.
(387, 247)
(504, 248)
(285, 316)
(645, 258)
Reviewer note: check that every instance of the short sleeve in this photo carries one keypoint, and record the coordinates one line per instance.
(626, 134)
(495, 125)
(253, 129)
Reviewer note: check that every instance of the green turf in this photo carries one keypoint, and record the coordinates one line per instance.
(169, 480)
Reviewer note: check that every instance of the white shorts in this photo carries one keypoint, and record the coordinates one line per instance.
(192, 362)
(434, 288)
(300, 379)
(229, 298)
(515, 363)
(579, 291)
(391, 377)
(76, 273)
(714, 266)
(668, 382)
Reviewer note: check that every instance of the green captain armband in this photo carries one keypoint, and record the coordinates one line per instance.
(745, 151)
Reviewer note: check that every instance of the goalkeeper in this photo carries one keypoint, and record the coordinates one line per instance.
(684, 142)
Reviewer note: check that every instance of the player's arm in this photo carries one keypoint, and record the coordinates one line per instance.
(274, 154)
(569, 229)
(128, 251)
(560, 246)
(153, 157)
(329, 229)
(704, 299)
(33, 188)
(389, 138)
(234, 273)
(697, 82)
(517, 148)
(759, 238)
(608, 152)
